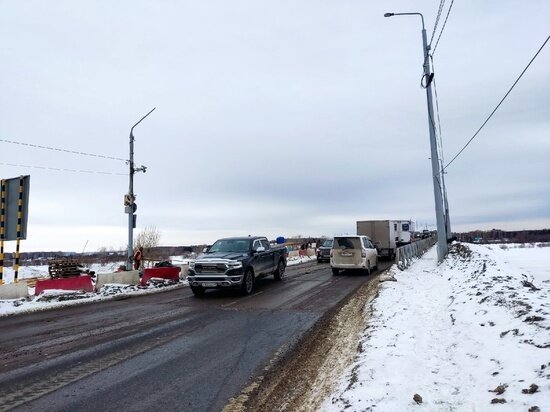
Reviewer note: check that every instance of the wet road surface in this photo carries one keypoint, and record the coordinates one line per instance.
(169, 350)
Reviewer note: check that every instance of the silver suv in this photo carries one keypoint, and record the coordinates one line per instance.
(353, 252)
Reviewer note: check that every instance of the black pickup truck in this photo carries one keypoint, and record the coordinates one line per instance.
(236, 262)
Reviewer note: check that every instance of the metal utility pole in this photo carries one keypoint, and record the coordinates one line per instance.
(129, 198)
(442, 247)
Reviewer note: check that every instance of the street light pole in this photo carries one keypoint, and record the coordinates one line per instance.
(442, 247)
(129, 199)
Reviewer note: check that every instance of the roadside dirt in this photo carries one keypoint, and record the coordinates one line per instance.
(302, 378)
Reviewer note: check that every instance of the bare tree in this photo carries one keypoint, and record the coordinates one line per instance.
(102, 252)
(147, 239)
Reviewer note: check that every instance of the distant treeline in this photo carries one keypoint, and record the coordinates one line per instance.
(158, 253)
(161, 253)
(505, 236)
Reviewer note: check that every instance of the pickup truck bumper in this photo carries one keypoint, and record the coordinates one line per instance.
(215, 280)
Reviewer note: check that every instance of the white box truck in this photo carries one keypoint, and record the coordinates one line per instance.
(387, 235)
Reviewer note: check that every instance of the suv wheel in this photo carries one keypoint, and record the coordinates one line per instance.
(367, 270)
(248, 283)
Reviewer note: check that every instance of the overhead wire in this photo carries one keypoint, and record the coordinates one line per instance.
(59, 169)
(498, 105)
(62, 150)
(439, 11)
(442, 28)
(439, 134)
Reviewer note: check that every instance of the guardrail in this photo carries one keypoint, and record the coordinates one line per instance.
(405, 254)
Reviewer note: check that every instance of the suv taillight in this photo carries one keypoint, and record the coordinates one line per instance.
(363, 253)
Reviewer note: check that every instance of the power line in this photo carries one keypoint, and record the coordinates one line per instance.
(62, 150)
(438, 117)
(498, 105)
(443, 27)
(58, 169)
(441, 6)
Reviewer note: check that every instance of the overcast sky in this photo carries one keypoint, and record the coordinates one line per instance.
(272, 117)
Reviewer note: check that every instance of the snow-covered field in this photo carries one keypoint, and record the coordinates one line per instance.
(471, 334)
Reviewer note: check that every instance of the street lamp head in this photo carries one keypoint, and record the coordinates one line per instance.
(388, 14)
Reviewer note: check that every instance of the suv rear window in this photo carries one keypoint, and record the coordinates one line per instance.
(347, 243)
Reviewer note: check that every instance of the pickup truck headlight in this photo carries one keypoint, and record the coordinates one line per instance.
(192, 264)
(234, 265)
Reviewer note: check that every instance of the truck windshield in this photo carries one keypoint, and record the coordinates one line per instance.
(230, 245)
(328, 243)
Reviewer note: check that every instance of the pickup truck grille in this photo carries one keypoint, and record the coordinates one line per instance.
(324, 252)
(210, 267)
(210, 279)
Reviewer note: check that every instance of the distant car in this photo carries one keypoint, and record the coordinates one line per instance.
(353, 252)
(323, 251)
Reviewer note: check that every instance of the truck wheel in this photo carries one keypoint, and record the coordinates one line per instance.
(335, 271)
(280, 271)
(197, 290)
(248, 283)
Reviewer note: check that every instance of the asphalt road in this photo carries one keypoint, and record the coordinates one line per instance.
(168, 351)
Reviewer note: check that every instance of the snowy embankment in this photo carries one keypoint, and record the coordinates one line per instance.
(471, 334)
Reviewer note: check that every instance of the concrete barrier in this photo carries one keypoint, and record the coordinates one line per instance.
(300, 252)
(170, 273)
(83, 283)
(184, 270)
(130, 277)
(14, 290)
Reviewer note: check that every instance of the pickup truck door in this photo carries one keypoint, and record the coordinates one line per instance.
(260, 258)
(268, 258)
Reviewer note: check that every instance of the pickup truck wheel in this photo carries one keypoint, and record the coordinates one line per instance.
(248, 283)
(335, 271)
(280, 271)
(197, 290)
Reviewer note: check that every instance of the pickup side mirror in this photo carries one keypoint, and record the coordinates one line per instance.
(259, 249)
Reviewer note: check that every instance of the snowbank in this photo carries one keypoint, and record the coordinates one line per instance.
(471, 334)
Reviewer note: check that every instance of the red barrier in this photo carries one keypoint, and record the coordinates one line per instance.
(83, 283)
(172, 273)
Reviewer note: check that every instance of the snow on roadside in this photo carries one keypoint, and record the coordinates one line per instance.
(55, 299)
(462, 335)
(296, 260)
